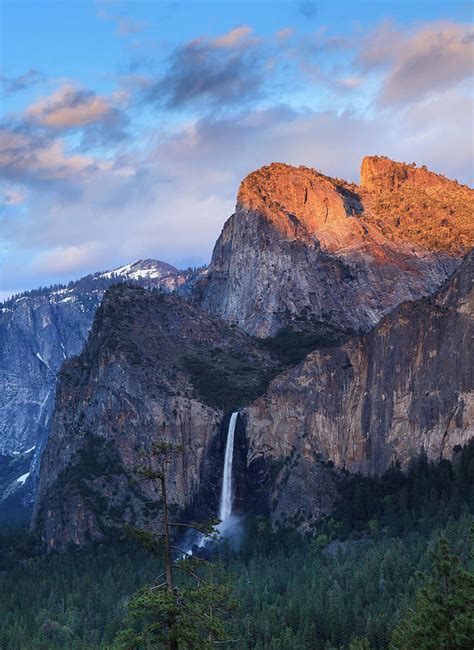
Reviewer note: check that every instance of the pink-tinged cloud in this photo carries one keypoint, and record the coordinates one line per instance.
(417, 63)
(66, 259)
(69, 107)
(125, 25)
(26, 157)
(233, 38)
(284, 34)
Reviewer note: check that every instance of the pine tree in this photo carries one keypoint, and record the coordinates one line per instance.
(443, 617)
(174, 614)
(359, 643)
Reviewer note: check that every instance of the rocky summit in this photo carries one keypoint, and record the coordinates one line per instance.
(340, 332)
(302, 245)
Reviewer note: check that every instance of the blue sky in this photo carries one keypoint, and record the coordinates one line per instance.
(127, 126)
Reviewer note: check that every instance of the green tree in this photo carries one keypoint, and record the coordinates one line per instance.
(359, 643)
(189, 617)
(175, 613)
(443, 617)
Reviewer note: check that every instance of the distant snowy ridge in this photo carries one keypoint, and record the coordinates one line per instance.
(141, 269)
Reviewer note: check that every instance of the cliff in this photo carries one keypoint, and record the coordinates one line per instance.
(303, 245)
(154, 368)
(38, 331)
(367, 309)
(405, 387)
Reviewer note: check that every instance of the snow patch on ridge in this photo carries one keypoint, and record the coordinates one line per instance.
(141, 269)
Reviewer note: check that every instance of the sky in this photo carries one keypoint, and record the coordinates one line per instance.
(126, 127)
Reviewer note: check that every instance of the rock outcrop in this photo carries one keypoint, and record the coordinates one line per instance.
(303, 245)
(38, 331)
(417, 205)
(405, 387)
(155, 368)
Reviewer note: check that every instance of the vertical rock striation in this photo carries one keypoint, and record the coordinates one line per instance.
(405, 387)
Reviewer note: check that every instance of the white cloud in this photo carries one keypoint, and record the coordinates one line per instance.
(418, 62)
(66, 259)
(13, 196)
(68, 107)
(168, 194)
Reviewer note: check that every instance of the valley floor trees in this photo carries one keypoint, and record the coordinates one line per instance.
(349, 587)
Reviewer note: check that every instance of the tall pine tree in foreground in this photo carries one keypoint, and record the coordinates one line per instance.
(175, 613)
(443, 616)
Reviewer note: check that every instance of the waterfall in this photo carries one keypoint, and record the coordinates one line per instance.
(229, 523)
(225, 507)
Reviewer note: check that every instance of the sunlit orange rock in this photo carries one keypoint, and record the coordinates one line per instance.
(301, 242)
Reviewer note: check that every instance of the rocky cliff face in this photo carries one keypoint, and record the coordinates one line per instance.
(380, 398)
(155, 368)
(301, 244)
(303, 251)
(158, 368)
(38, 331)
